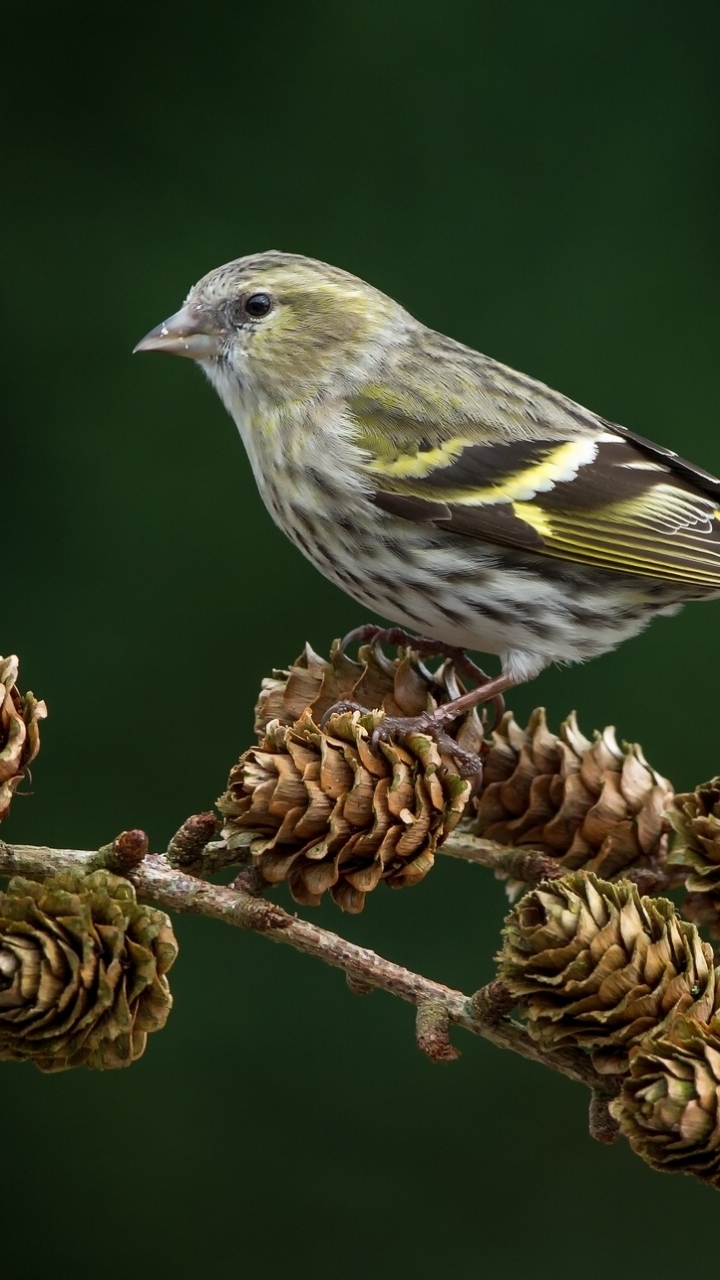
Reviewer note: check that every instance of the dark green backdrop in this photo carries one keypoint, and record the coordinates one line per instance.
(538, 179)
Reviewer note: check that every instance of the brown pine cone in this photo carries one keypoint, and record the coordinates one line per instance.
(82, 971)
(594, 806)
(669, 1107)
(597, 966)
(19, 731)
(398, 686)
(337, 815)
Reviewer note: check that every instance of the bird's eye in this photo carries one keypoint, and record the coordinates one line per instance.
(258, 304)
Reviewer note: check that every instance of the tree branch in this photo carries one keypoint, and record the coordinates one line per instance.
(193, 849)
(528, 865)
(155, 878)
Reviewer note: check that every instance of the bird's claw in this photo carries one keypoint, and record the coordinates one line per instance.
(423, 645)
(427, 648)
(428, 722)
(469, 762)
(432, 723)
(339, 709)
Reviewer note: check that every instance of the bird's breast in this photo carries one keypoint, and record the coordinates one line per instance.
(305, 463)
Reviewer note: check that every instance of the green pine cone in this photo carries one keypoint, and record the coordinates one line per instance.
(595, 965)
(82, 971)
(669, 1108)
(695, 845)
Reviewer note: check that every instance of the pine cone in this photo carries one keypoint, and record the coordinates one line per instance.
(669, 1108)
(19, 731)
(398, 686)
(597, 966)
(593, 806)
(82, 971)
(338, 816)
(695, 843)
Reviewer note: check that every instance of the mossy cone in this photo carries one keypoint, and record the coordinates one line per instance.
(19, 731)
(335, 815)
(669, 1107)
(597, 966)
(594, 806)
(695, 842)
(82, 972)
(399, 686)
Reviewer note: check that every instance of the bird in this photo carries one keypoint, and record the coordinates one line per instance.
(438, 487)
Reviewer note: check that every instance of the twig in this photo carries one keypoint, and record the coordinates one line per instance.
(432, 1031)
(155, 879)
(528, 865)
(193, 849)
(492, 1003)
(603, 1126)
(188, 847)
(125, 852)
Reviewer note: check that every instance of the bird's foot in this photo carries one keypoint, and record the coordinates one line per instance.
(433, 724)
(426, 647)
(339, 709)
(469, 762)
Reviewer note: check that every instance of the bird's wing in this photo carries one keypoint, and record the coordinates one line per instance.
(516, 464)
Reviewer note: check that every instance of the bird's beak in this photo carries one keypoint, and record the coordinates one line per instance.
(184, 334)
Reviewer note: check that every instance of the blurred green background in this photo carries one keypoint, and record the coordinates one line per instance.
(540, 180)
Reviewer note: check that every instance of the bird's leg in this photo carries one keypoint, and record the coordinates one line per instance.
(426, 648)
(488, 689)
(469, 762)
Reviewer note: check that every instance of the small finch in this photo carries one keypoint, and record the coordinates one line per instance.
(436, 486)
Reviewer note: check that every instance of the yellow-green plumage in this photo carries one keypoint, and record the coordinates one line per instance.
(437, 486)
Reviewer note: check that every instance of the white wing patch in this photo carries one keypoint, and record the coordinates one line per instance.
(561, 464)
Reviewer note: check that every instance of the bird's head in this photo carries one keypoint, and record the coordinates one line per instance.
(278, 327)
